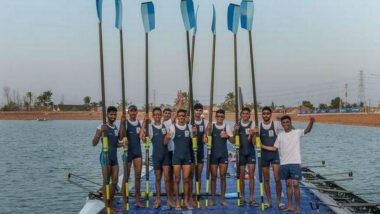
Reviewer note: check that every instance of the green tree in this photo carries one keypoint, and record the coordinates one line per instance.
(29, 96)
(273, 106)
(87, 100)
(307, 104)
(335, 103)
(323, 106)
(229, 102)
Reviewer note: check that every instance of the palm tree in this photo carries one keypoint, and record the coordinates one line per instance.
(229, 102)
(29, 95)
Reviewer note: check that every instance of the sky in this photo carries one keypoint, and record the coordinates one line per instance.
(303, 50)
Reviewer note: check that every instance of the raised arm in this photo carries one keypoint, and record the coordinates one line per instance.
(168, 136)
(310, 125)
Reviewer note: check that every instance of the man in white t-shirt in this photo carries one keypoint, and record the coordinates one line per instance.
(288, 144)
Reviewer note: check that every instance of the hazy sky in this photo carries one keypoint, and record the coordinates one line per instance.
(304, 49)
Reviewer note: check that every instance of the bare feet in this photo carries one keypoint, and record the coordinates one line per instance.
(224, 203)
(157, 203)
(138, 204)
(177, 205)
(288, 209)
(212, 203)
(171, 204)
(188, 205)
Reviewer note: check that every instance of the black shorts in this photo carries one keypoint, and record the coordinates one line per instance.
(181, 160)
(269, 158)
(219, 160)
(164, 160)
(102, 159)
(131, 157)
(247, 159)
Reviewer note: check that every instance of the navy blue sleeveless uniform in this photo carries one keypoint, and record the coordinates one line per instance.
(134, 146)
(219, 152)
(160, 150)
(200, 151)
(268, 138)
(113, 140)
(182, 152)
(247, 154)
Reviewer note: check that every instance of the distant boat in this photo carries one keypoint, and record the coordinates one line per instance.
(41, 119)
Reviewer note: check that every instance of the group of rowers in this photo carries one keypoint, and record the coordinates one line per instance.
(174, 159)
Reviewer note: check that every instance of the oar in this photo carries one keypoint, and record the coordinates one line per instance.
(147, 13)
(241, 100)
(246, 23)
(70, 175)
(193, 49)
(209, 136)
(106, 181)
(188, 16)
(233, 15)
(118, 25)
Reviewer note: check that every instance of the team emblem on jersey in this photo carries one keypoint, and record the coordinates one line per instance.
(187, 133)
(247, 131)
(116, 132)
(163, 131)
(271, 133)
(201, 128)
(138, 130)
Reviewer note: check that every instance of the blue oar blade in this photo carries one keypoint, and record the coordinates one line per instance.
(196, 21)
(233, 16)
(213, 25)
(188, 16)
(119, 14)
(247, 10)
(99, 4)
(147, 13)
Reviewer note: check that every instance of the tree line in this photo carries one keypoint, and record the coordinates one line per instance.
(43, 101)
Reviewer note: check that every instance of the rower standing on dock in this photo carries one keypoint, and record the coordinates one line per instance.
(221, 132)
(269, 131)
(247, 154)
(113, 138)
(288, 143)
(181, 134)
(161, 158)
(134, 152)
(201, 125)
(168, 121)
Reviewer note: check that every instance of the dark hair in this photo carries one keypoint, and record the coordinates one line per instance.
(111, 109)
(286, 117)
(245, 109)
(181, 110)
(198, 106)
(156, 109)
(220, 111)
(167, 109)
(267, 108)
(132, 107)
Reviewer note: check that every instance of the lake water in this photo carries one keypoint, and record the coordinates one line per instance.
(36, 157)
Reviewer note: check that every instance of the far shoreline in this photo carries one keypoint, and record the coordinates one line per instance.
(356, 119)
